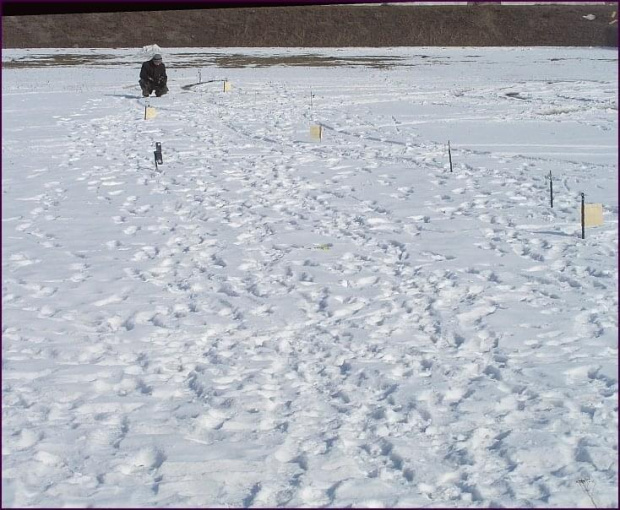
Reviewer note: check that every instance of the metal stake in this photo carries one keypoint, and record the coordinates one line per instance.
(583, 216)
(551, 187)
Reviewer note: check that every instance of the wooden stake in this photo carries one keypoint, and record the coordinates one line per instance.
(450, 156)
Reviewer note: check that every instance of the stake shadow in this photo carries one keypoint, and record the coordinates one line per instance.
(192, 85)
(549, 232)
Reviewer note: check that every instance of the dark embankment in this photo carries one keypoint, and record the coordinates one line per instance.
(320, 26)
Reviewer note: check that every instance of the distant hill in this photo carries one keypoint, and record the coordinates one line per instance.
(321, 26)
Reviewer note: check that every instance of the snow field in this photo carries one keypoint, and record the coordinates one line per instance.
(268, 320)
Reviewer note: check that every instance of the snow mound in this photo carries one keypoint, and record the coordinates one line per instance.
(151, 49)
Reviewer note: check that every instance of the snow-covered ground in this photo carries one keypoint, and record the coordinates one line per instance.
(271, 320)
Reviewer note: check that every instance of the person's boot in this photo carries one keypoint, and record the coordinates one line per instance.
(145, 89)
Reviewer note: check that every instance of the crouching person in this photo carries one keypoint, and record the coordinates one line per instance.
(153, 77)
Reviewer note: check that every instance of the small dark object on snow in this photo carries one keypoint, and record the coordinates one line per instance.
(158, 157)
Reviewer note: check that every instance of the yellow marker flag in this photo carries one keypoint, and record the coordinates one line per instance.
(227, 86)
(593, 215)
(150, 112)
(316, 132)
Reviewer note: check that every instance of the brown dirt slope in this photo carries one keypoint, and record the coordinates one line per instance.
(320, 26)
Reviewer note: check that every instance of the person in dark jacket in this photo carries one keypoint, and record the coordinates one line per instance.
(153, 77)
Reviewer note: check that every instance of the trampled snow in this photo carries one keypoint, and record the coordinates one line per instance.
(269, 319)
